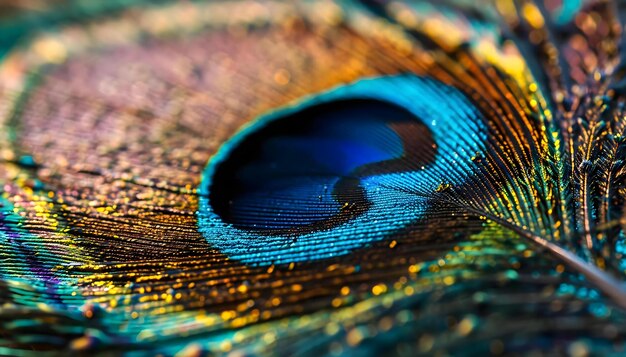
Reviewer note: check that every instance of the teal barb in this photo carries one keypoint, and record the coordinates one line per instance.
(313, 178)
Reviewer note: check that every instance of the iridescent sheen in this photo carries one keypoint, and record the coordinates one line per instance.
(312, 178)
(351, 173)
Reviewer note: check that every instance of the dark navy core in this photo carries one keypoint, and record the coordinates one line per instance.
(304, 171)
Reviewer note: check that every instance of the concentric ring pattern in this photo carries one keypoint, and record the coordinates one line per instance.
(312, 177)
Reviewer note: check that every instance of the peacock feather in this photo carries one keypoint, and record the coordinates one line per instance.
(355, 177)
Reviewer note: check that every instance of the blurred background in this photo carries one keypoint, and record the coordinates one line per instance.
(19, 18)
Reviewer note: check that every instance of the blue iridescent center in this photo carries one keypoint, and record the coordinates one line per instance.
(332, 173)
(306, 169)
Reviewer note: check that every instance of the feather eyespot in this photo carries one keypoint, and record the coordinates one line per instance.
(320, 178)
